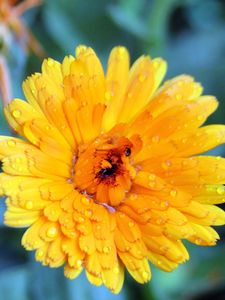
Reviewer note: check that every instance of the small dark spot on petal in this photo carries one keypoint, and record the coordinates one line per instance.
(127, 152)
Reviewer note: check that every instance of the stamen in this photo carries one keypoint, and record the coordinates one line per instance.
(111, 209)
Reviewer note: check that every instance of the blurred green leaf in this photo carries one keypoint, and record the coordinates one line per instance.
(128, 19)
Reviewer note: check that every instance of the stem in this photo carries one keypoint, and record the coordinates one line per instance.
(19, 9)
(5, 83)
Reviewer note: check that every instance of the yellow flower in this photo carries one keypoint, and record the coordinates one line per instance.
(107, 176)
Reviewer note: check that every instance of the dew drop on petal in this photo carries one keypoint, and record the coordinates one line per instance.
(220, 190)
(16, 113)
(81, 219)
(107, 96)
(79, 263)
(11, 143)
(85, 200)
(131, 224)
(142, 78)
(52, 232)
(152, 177)
(145, 275)
(159, 221)
(198, 241)
(178, 96)
(200, 118)
(64, 247)
(164, 204)
(155, 139)
(122, 215)
(173, 193)
(116, 270)
(50, 62)
(155, 64)
(86, 248)
(121, 51)
(40, 253)
(106, 250)
(29, 205)
(88, 213)
(133, 197)
(166, 164)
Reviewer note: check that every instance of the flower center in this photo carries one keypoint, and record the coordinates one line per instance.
(103, 170)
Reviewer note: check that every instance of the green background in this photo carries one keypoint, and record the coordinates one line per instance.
(190, 35)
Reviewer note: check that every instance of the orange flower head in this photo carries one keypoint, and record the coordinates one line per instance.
(109, 174)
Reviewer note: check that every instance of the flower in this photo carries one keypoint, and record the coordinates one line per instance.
(11, 23)
(108, 175)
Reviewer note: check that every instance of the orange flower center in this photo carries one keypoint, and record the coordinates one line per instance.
(104, 171)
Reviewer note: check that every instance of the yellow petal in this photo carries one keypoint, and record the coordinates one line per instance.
(116, 80)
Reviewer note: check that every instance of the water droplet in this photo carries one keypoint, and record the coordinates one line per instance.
(107, 96)
(64, 247)
(145, 275)
(50, 62)
(155, 139)
(142, 78)
(47, 127)
(29, 205)
(79, 263)
(220, 190)
(81, 219)
(85, 200)
(166, 164)
(121, 51)
(122, 215)
(200, 118)
(16, 113)
(88, 213)
(133, 197)
(40, 253)
(98, 227)
(178, 96)
(159, 262)
(155, 64)
(11, 143)
(84, 103)
(164, 204)
(198, 241)
(151, 184)
(152, 177)
(106, 249)
(116, 270)
(86, 248)
(173, 193)
(131, 224)
(159, 221)
(52, 232)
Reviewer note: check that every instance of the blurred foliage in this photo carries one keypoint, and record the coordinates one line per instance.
(190, 35)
